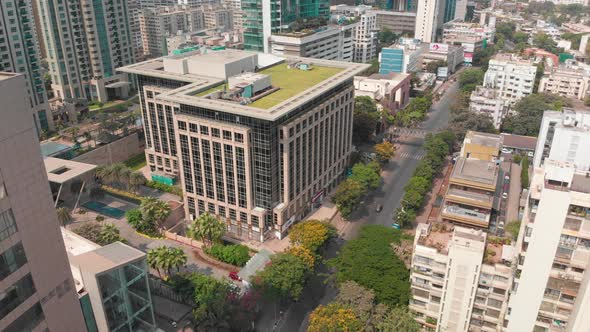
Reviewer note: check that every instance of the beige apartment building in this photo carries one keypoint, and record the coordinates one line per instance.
(569, 80)
(246, 144)
(37, 292)
(457, 284)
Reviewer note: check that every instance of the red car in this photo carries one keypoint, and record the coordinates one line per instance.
(234, 276)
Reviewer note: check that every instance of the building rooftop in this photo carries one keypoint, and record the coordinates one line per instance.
(483, 139)
(107, 257)
(76, 244)
(291, 87)
(519, 141)
(474, 170)
(61, 171)
(511, 58)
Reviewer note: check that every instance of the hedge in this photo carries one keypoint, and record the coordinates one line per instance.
(234, 254)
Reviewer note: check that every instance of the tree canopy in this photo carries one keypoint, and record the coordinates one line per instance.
(333, 317)
(206, 228)
(528, 113)
(311, 234)
(384, 151)
(470, 78)
(370, 261)
(284, 277)
(366, 118)
(348, 195)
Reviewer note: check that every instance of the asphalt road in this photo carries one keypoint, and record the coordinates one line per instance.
(293, 316)
(398, 171)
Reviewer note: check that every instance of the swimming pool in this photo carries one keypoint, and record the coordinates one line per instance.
(104, 209)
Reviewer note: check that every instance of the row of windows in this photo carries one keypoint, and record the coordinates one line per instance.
(7, 224)
(215, 132)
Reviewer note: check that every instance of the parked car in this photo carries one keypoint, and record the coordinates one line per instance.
(530, 154)
(507, 150)
(504, 195)
(234, 276)
(379, 208)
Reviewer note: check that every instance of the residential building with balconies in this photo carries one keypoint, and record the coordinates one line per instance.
(469, 199)
(86, 41)
(571, 80)
(460, 278)
(550, 292)
(488, 102)
(511, 76)
(19, 53)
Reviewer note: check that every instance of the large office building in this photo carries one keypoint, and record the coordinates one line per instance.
(86, 41)
(511, 76)
(365, 38)
(19, 52)
(37, 292)
(262, 18)
(330, 43)
(248, 144)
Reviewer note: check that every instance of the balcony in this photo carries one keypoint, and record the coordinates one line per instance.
(466, 215)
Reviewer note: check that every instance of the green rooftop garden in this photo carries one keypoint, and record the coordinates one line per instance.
(292, 82)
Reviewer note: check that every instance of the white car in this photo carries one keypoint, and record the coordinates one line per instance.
(530, 154)
(504, 195)
(507, 150)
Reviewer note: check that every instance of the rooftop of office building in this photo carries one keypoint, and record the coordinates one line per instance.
(222, 80)
(511, 58)
(561, 176)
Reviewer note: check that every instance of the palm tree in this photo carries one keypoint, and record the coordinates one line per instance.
(206, 228)
(124, 174)
(154, 211)
(153, 259)
(118, 173)
(177, 259)
(64, 216)
(136, 179)
(109, 234)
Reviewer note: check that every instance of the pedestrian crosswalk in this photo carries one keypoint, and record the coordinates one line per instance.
(406, 155)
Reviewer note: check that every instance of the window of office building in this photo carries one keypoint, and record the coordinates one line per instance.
(16, 294)
(11, 260)
(7, 224)
(27, 321)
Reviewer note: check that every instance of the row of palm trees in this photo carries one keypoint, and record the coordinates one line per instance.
(121, 176)
(166, 259)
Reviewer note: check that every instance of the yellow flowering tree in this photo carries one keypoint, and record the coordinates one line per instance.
(311, 234)
(384, 151)
(334, 317)
(305, 254)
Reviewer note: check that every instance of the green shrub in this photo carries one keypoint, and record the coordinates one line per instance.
(165, 188)
(99, 218)
(135, 219)
(235, 254)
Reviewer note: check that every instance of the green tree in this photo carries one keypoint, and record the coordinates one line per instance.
(513, 228)
(166, 259)
(524, 172)
(136, 179)
(154, 211)
(528, 113)
(109, 233)
(206, 228)
(404, 217)
(366, 118)
(418, 184)
(386, 36)
(348, 195)
(544, 41)
(370, 261)
(64, 216)
(432, 67)
(399, 319)
(520, 37)
(102, 234)
(284, 277)
(366, 175)
(470, 78)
